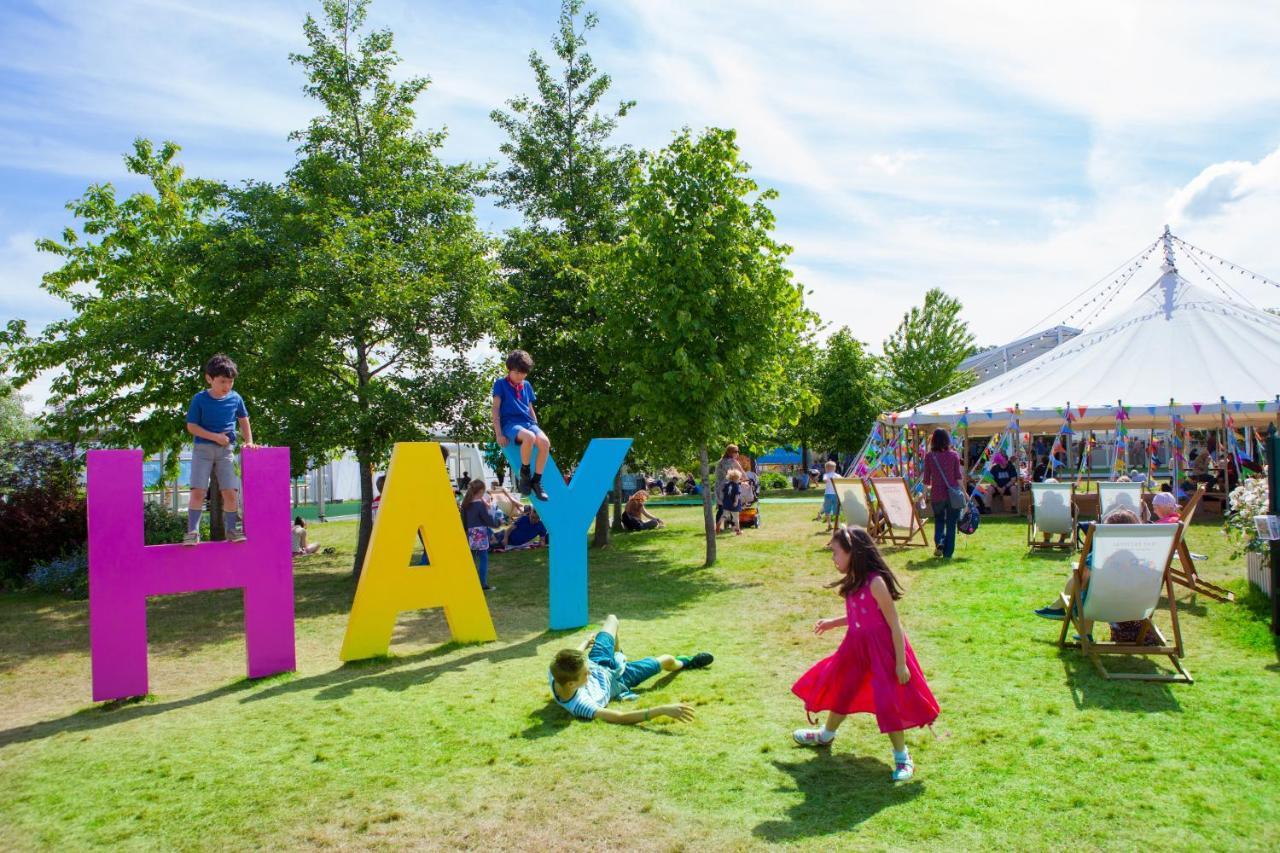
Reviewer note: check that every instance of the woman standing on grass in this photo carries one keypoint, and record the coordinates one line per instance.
(874, 671)
(942, 471)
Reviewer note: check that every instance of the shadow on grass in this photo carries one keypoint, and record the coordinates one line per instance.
(1090, 690)
(839, 792)
(119, 711)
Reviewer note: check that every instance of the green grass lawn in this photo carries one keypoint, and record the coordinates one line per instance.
(446, 746)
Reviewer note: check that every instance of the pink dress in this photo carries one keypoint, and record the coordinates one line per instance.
(861, 676)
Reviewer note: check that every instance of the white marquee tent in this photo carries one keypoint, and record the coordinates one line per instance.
(1177, 348)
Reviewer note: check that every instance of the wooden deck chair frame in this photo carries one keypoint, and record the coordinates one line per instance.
(1105, 506)
(875, 522)
(1034, 533)
(1184, 573)
(914, 526)
(1173, 651)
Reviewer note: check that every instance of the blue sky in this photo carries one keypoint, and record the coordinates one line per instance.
(1008, 153)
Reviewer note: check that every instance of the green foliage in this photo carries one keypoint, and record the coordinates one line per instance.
(704, 285)
(774, 480)
(849, 385)
(161, 525)
(15, 425)
(561, 166)
(922, 357)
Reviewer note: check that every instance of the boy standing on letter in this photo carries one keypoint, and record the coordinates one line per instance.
(212, 419)
(515, 420)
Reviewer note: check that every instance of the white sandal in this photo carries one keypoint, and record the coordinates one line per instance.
(812, 737)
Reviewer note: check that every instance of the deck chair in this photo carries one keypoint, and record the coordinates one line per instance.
(1130, 570)
(902, 524)
(1184, 573)
(1052, 512)
(1113, 496)
(854, 506)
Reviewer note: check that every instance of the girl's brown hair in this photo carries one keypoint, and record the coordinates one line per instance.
(940, 440)
(474, 490)
(865, 562)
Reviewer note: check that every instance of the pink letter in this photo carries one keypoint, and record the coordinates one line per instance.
(122, 573)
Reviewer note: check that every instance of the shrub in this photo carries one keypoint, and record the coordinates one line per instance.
(774, 480)
(163, 526)
(42, 512)
(67, 575)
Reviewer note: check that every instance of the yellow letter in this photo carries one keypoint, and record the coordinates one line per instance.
(417, 499)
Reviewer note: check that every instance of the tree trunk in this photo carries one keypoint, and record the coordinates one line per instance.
(365, 462)
(601, 539)
(617, 500)
(708, 516)
(217, 530)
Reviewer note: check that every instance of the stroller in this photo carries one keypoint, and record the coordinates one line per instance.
(750, 515)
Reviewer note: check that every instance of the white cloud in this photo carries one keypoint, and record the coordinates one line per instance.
(1222, 187)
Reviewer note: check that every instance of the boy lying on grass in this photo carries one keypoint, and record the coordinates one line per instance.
(583, 682)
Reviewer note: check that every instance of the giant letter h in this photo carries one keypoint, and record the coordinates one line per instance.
(122, 572)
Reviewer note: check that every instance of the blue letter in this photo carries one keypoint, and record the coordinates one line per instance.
(568, 512)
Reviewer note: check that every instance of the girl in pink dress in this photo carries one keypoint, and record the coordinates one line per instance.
(874, 671)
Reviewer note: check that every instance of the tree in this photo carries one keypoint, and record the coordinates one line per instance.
(922, 357)
(130, 354)
(848, 384)
(379, 280)
(570, 185)
(15, 425)
(704, 284)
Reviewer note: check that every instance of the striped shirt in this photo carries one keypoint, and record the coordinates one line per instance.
(602, 685)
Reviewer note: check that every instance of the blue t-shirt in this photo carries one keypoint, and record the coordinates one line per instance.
(515, 406)
(525, 531)
(216, 415)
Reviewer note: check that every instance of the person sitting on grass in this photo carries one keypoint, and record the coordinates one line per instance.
(528, 531)
(300, 546)
(636, 517)
(508, 504)
(584, 680)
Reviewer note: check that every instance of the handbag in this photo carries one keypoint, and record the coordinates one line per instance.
(478, 538)
(956, 497)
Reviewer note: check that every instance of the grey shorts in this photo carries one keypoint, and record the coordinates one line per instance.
(205, 457)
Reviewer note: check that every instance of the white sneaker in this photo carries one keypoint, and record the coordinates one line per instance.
(192, 538)
(236, 535)
(903, 770)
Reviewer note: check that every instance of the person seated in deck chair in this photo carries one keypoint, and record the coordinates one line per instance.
(1054, 610)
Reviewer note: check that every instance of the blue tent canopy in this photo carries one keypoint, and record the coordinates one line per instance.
(780, 456)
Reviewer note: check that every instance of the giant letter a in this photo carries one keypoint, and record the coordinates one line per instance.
(417, 499)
